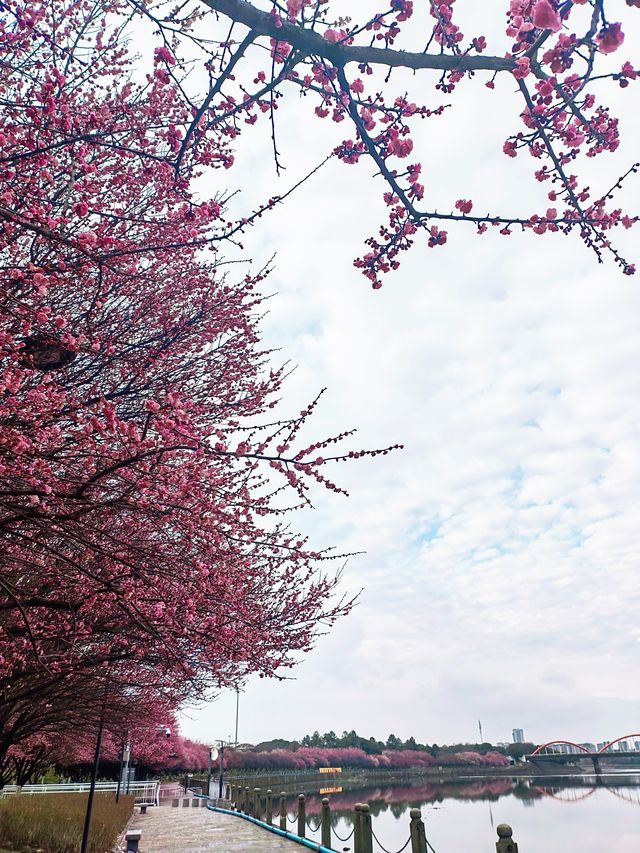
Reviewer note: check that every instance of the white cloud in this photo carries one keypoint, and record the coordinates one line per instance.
(500, 576)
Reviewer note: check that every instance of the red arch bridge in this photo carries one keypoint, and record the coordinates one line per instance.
(625, 748)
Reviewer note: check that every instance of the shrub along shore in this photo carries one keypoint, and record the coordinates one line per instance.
(53, 823)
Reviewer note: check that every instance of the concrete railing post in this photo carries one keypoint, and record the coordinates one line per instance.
(505, 842)
(257, 803)
(325, 820)
(283, 811)
(133, 840)
(302, 816)
(247, 800)
(357, 829)
(418, 834)
(366, 830)
(268, 818)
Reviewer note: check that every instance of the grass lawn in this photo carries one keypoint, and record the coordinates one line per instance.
(53, 823)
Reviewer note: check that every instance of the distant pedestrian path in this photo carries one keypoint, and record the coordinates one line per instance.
(198, 830)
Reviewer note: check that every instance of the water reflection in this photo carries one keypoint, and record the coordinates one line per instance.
(399, 798)
(575, 813)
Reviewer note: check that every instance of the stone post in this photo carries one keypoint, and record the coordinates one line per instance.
(418, 834)
(247, 800)
(269, 811)
(302, 816)
(366, 830)
(133, 840)
(325, 820)
(283, 811)
(357, 829)
(505, 842)
(257, 803)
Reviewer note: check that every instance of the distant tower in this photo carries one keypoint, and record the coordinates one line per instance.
(518, 735)
(480, 728)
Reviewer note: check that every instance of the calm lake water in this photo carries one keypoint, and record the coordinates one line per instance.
(575, 814)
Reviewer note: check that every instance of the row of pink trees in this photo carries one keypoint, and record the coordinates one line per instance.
(310, 758)
(144, 484)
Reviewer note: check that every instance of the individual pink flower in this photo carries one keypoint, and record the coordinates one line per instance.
(294, 7)
(610, 38)
(546, 17)
(335, 36)
(523, 68)
(400, 147)
(163, 54)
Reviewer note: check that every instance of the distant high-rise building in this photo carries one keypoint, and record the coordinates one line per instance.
(518, 735)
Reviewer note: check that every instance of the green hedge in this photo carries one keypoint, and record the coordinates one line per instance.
(53, 823)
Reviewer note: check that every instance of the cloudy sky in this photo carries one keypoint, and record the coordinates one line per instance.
(499, 579)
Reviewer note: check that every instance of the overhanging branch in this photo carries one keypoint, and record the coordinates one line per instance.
(313, 44)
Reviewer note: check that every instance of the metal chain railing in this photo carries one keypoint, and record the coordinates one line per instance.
(310, 825)
(348, 836)
(377, 840)
(505, 833)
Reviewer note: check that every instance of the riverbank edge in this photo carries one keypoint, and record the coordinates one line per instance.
(279, 782)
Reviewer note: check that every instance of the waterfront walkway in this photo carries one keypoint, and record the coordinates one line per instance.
(189, 830)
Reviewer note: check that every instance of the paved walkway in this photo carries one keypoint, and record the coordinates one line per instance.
(174, 830)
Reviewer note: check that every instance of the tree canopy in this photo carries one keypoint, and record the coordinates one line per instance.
(146, 482)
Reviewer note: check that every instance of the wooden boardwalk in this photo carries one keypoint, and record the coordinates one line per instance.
(190, 830)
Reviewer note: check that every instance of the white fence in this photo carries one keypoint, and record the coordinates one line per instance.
(144, 792)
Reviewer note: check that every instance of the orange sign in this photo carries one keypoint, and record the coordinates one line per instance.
(337, 790)
(329, 769)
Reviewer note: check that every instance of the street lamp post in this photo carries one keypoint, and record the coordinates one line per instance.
(124, 761)
(94, 773)
(221, 769)
(237, 711)
(213, 754)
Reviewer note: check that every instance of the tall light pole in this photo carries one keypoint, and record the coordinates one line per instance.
(84, 845)
(124, 762)
(237, 712)
(221, 769)
(213, 754)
